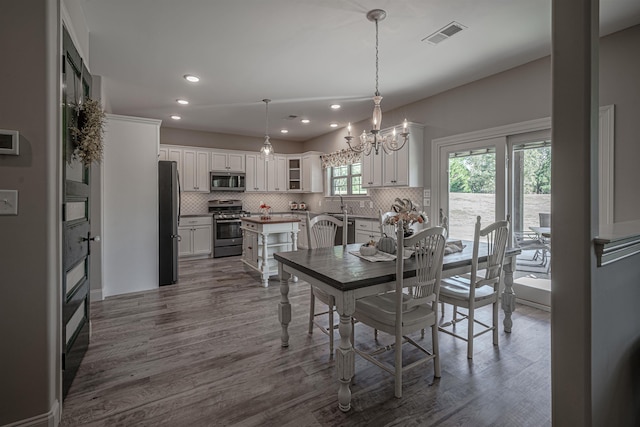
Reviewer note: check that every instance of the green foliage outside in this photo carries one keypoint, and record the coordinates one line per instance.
(476, 173)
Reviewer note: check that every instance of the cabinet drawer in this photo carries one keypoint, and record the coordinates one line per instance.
(363, 224)
(195, 220)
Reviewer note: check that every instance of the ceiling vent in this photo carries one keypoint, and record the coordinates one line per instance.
(444, 33)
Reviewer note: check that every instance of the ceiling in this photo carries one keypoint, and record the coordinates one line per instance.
(306, 55)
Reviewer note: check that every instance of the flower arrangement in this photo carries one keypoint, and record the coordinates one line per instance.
(266, 211)
(408, 212)
(88, 133)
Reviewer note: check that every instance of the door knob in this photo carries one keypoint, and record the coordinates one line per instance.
(91, 239)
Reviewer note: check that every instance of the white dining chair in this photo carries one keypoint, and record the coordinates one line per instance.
(474, 292)
(399, 313)
(321, 233)
(388, 230)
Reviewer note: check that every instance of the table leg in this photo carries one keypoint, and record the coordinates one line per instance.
(265, 256)
(345, 356)
(508, 296)
(294, 247)
(284, 307)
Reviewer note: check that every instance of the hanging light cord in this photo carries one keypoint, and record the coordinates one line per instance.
(266, 130)
(377, 92)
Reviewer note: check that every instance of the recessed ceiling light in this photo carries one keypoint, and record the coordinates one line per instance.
(284, 131)
(305, 121)
(176, 117)
(191, 78)
(182, 101)
(334, 125)
(335, 106)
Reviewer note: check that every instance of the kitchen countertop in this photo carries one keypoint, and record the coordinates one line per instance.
(273, 220)
(195, 215)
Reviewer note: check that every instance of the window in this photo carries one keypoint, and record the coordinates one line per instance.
(346, 180)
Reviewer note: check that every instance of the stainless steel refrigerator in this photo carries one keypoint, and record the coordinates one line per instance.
(169, 216)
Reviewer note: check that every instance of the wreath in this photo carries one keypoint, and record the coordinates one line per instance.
(88, 133)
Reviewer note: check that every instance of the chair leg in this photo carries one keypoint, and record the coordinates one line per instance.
(455, 314)
(331, 306)
(470, 316)
(495, 322)
(436, 350)
(312, 310)
(375, 334)
(398, 366)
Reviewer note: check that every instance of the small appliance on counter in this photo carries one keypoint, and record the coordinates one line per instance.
(295, 206)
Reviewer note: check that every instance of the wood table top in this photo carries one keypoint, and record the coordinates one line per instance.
(344, 271)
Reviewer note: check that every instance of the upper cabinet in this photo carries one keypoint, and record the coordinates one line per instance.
(256, 174)
(403, 168)
(277, 174)
(231, 161)
(371, 171)
(171, 154)
(195, 175)
(294, 173)
(311, 173)
(284, 173)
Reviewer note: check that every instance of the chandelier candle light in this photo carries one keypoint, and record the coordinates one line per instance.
(266, 152)
(373, 141)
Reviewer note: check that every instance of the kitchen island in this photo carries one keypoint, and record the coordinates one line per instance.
(264, 237)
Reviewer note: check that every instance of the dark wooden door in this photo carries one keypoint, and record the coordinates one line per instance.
(75, 216)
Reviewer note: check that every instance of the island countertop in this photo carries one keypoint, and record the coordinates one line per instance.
(273, 220)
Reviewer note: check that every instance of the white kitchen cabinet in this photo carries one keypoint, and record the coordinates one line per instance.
(171, 154)
(277, 174)
(404, 168)
(294, 173)
(195, 236)
(195, 176)
(312, 181)
(372, 171)
(256, 174)
(367, 230)
(227, 161)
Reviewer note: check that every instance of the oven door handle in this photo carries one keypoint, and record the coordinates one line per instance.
(225, 221)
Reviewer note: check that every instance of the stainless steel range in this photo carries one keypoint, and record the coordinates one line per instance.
(227, 236)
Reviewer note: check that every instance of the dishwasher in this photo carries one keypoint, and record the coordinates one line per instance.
(351, 233)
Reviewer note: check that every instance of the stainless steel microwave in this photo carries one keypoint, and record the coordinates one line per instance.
(226, 181)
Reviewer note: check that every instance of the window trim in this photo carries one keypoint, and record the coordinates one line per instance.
(349, 176)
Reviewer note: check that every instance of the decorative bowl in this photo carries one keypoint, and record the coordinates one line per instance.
(368, 250)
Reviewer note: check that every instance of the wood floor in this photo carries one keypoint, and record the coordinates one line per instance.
(206, 352)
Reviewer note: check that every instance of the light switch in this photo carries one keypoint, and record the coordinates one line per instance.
(8, 202)
(427, 202)
(362, 203)
(427, 194)
(370, 205)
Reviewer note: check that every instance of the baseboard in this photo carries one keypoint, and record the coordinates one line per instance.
(96, 295)
(49, 419)
(533, 304)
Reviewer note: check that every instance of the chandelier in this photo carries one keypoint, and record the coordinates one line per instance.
(373, 141)
(266, 152)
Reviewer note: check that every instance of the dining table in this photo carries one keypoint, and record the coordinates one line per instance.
(339, 272)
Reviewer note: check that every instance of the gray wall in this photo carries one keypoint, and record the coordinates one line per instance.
(30, 241)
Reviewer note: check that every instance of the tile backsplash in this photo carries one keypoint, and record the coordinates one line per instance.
(382, 198)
